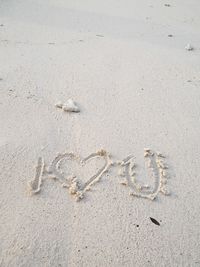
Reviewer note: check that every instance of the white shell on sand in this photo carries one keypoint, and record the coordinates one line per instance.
(70, 106)
(189, 47)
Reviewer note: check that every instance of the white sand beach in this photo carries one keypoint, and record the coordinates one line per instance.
(132, 69)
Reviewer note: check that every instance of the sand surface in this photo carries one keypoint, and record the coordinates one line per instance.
(126, 66)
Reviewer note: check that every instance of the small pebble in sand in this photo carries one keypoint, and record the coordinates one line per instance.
(70, 106)
(170, 35)
(123, 182)
(154, 221)
(59, 104)
(189, 47)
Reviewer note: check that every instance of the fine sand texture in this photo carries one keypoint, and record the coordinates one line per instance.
(116, 181)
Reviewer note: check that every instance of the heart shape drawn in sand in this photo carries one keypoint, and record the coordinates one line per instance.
(75, 186)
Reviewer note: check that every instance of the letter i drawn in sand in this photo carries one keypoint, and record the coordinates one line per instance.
(34, 185)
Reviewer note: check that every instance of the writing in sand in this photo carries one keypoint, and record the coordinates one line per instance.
(154, 161)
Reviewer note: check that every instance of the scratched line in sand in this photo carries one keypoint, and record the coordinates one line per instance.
(155, 164)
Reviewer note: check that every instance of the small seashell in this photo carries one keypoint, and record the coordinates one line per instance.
(70, 106)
